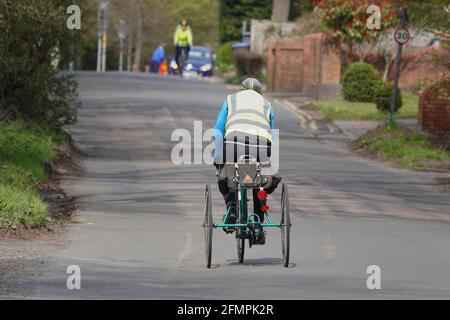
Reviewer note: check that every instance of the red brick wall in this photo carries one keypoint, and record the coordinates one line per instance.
(284, 65)
(421, 66)
(294, 63)
(434, 111)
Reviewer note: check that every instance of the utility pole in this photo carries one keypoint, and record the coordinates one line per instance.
(404, 19)
(102, 25)
(122, 34)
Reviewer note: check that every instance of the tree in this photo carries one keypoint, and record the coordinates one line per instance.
(433, 16)
(233, 12)
(386, 47)
(346, 20)
(138, 51)
(280, 12)
(300, 7)
(33, 38)
(430, 15)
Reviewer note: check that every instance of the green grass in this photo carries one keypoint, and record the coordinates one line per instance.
(340, 109)
(408, 148)
(23, 151)
(20, 207)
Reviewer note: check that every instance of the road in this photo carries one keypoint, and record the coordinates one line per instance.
(138, 232)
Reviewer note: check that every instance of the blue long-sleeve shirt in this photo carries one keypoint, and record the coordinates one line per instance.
(158, 54)
(219, 129)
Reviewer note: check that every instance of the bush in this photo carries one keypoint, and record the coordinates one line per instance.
(49, 98)
(249, 64)
(30, 88)
(224, 60)
(359, 82)
(421, 85)
(383, 97)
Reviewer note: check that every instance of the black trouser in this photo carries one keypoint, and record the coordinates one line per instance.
(230, 199)
(178, 51)
(234, 147)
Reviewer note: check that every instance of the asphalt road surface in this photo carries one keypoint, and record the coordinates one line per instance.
(138, 232)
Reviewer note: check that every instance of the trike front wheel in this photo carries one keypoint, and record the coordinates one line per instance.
(208, 226)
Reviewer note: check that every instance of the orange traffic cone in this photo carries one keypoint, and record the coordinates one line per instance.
(163, 68)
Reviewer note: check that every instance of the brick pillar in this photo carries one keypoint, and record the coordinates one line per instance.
(271, 54)
(295, 64)
(434, 109)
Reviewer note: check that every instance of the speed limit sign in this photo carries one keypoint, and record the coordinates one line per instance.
(402, 36)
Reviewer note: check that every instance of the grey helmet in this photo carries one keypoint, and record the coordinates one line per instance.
(252, 84)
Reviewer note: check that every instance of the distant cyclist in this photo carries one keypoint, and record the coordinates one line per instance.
(182, 41)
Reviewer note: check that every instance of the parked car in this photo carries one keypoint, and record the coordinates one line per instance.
(199, 63)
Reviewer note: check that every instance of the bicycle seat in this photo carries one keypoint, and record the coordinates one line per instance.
(246, 173)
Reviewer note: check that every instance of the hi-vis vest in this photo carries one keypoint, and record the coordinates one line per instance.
(248, 113)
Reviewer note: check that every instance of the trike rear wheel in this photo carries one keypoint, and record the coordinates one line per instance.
(285, 225)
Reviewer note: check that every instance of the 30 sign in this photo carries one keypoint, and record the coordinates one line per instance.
(402, 36)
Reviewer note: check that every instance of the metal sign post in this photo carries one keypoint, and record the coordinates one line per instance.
(122, 34)
(102, 25)
(401, 36)
(99, 52)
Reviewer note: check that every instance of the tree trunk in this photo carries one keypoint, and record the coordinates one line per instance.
(138, 52)
(362, 56)
(388, 59)
(130, 45)
(280, 11)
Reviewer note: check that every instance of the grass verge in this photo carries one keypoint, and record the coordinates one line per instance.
(340, 109)
(24, 150)
(407, 148)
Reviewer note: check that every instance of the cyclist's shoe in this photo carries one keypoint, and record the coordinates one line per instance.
(259, 236)
(231, 219)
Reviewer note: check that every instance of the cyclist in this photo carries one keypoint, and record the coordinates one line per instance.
(183, 42)
(245, 126)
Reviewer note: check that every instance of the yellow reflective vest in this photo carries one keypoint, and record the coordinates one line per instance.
(248, 113)
(183, 38)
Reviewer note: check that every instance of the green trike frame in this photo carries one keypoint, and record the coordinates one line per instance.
(244, 224)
